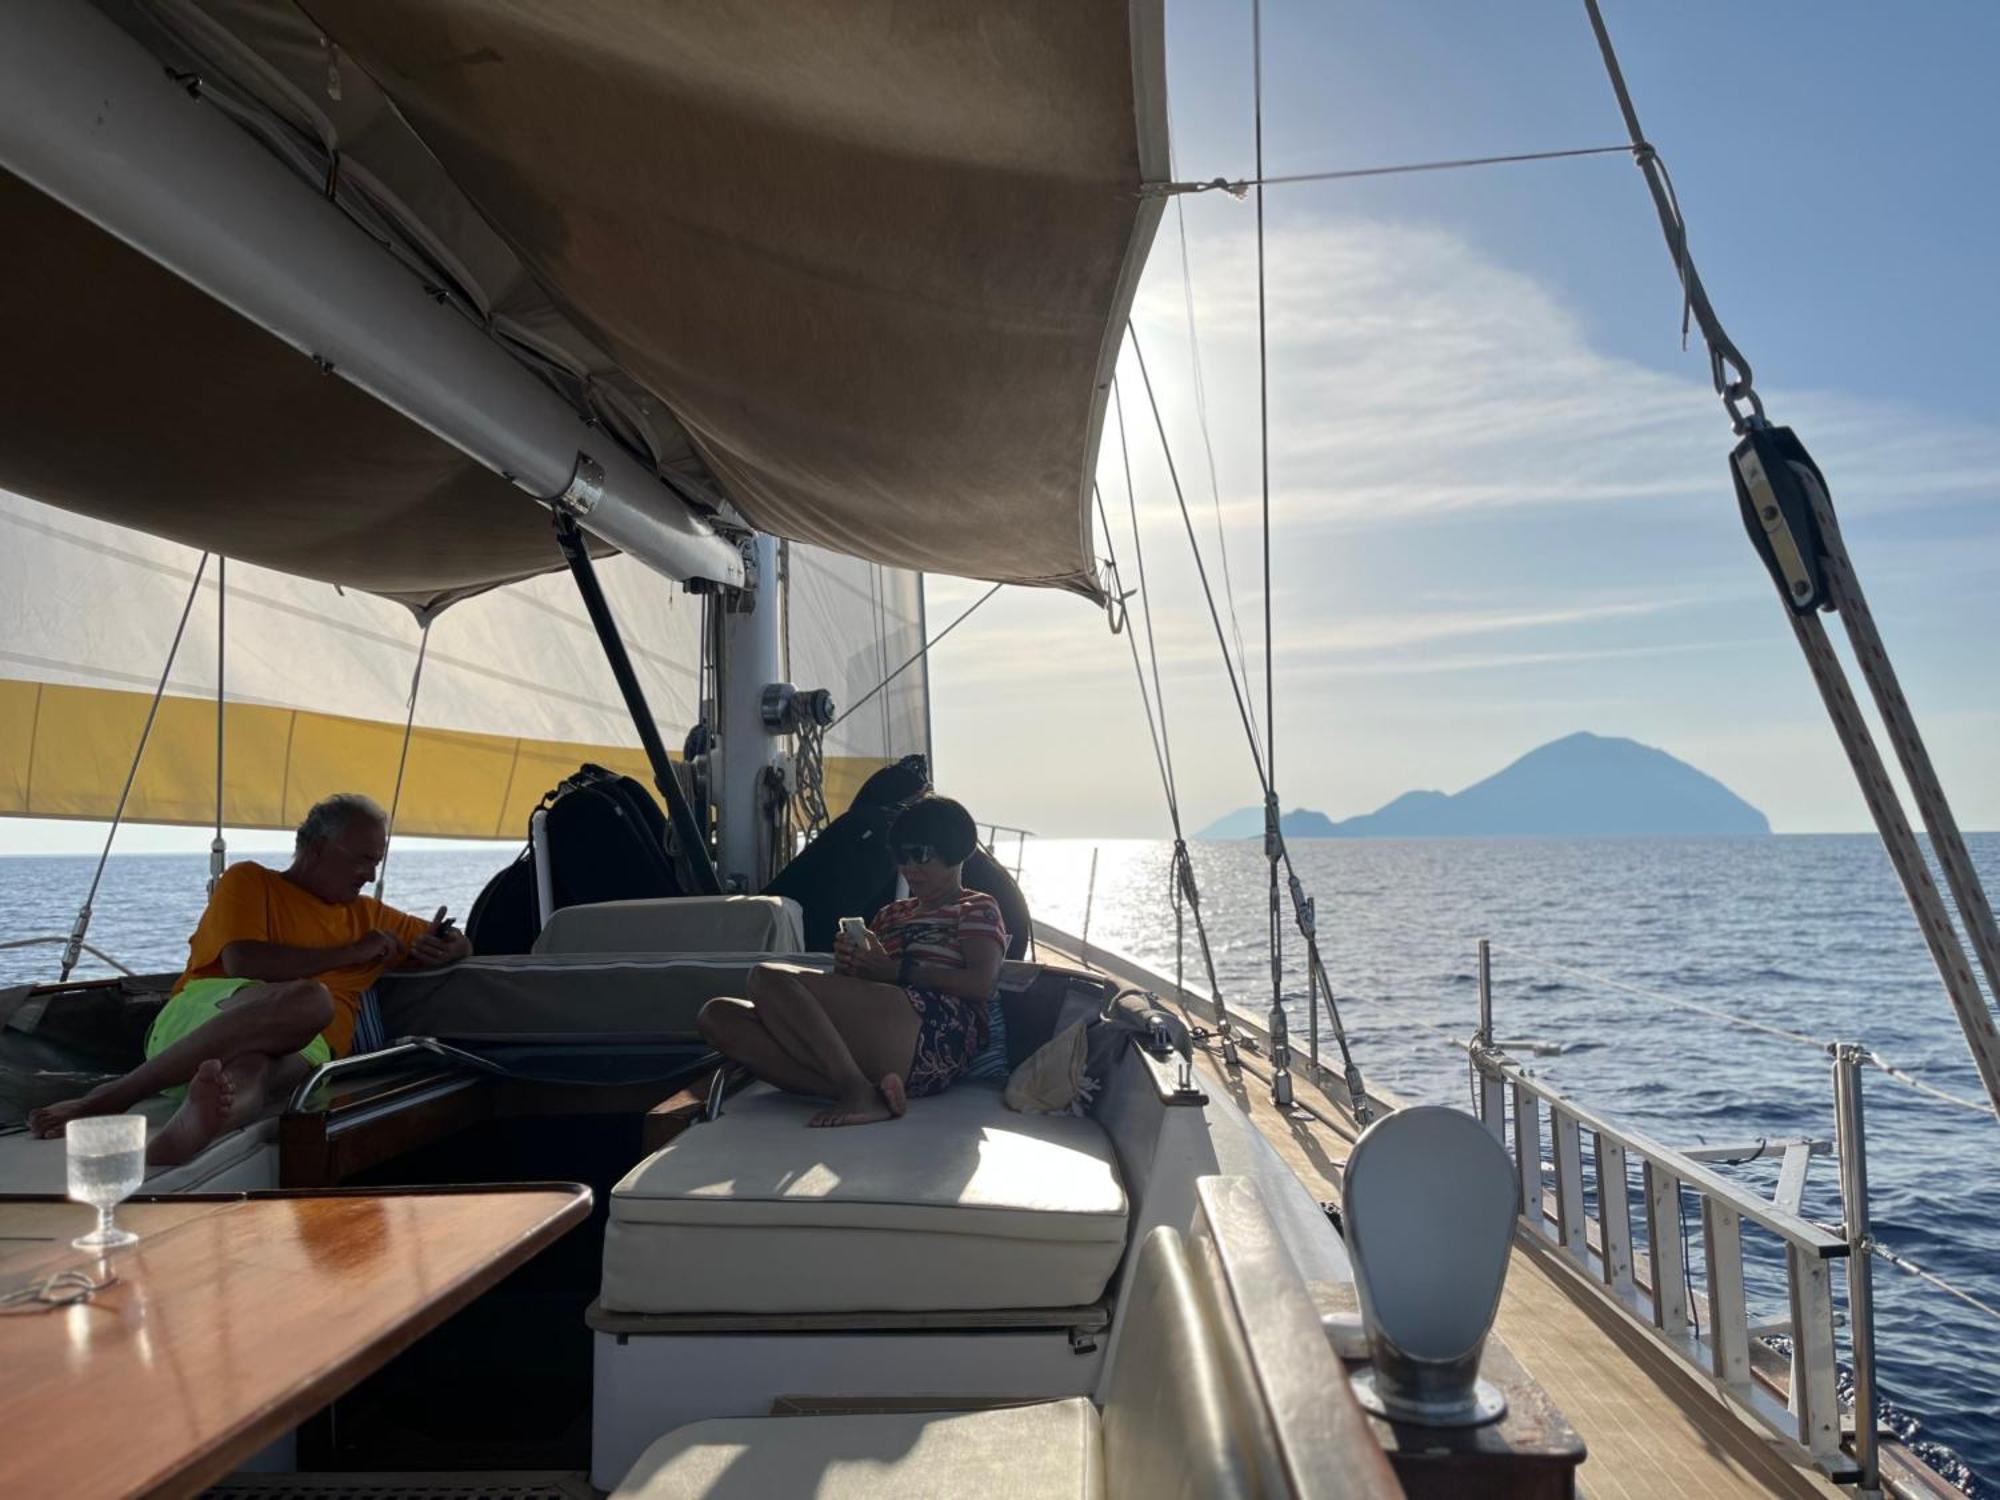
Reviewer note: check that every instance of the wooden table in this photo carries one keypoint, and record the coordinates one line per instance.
(232, 1319)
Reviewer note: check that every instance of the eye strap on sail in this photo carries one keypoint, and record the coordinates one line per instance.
(1787, 510)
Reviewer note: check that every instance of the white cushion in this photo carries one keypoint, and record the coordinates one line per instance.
(28, 1165)
(679, 924)
(1044, 1452)
(962, 1204)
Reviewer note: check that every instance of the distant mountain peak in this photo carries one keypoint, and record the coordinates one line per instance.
(1583, 785)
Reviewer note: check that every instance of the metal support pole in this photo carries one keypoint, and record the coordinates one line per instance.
(751, 657)
(687, 827)
(1089, 900)
(1485, 992)
(1850, 1133)
(218, 848)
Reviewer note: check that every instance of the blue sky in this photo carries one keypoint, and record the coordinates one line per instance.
(1503, 508)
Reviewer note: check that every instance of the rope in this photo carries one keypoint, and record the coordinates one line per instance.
(1240, 187)
(1723, 355)
(1880, 673)
(1975, 1018)
(403, 759)
(1909, 1267)
(1818, 1044)
(81, 928)
(921, 654)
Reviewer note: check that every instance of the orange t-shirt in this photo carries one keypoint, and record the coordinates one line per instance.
(253, 904)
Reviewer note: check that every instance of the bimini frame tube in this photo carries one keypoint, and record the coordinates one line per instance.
(91, 118)
(687, 825)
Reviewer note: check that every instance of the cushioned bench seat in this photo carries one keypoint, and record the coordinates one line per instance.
(242, 1159)
(1051, 1451)
(963, 1204)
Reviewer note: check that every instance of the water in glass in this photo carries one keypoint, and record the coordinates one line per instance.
(107, 1162)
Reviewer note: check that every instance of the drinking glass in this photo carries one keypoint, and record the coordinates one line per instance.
(107, 1162)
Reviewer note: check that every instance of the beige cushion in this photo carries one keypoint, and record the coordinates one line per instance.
(1043, 1452)
(1050, 1079)
(28, 1165)
(962, 1204)
(682, 924)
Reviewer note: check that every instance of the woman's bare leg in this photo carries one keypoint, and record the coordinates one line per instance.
(735, 1029)
(859, 1034)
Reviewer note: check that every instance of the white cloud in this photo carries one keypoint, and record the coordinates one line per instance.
(1489, 532)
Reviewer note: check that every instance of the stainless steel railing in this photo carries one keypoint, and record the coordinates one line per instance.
(1592, 1233)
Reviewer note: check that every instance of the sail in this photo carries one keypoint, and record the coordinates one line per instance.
(514, 693)
(860, 270)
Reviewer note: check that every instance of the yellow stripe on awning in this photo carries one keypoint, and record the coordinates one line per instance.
(65, 752)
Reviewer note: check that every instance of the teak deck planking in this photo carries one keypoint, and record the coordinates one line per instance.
(1650, 1428)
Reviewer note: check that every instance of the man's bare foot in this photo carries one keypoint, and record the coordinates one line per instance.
(862, 1109)
(199, 1120)
(894, 1094)
(47, 1122)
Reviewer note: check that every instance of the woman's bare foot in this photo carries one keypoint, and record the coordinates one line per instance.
(862, 1109)
(894, 1094)
(200, 1119)
(47, 1122)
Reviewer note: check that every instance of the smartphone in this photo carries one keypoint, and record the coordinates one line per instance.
(854, 930)
(442, 924)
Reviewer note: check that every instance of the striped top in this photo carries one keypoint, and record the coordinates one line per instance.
(937, 936)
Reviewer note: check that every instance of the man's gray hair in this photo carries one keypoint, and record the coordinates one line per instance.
(330, 816)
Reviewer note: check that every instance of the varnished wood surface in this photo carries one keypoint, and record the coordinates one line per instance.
(231, 1320)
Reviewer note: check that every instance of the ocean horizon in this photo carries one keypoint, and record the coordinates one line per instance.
(1809, 932)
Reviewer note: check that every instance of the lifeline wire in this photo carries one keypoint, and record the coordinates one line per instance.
(1904, 1264)
(1819, 1044)
(924, 651)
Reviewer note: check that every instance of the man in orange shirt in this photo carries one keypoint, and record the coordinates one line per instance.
(276, 971)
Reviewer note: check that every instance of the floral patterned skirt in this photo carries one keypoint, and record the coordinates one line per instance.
(948, 1038)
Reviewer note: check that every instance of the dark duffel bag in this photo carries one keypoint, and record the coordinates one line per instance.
(607, 841)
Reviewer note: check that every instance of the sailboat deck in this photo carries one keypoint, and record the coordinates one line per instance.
(1649, 1428)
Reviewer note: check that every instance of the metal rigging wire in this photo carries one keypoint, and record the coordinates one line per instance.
(1302, 907)
(869, 696)
(1281, 1053)
(1208, 452)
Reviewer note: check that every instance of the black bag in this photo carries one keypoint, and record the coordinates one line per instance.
(607, 842)
(504, 918)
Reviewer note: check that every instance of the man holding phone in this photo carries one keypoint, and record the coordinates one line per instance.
(273, 987)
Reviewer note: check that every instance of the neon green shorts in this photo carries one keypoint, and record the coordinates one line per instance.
(195, 1006)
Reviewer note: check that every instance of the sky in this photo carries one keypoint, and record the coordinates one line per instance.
(1500, 504)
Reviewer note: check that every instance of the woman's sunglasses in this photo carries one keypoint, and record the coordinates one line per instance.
(915, 854)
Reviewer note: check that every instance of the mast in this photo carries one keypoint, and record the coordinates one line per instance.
(752, 660)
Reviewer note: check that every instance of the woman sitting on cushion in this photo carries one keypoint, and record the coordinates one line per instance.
(908, 1010)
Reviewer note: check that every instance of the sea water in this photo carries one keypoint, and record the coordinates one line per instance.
(1807, 933)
